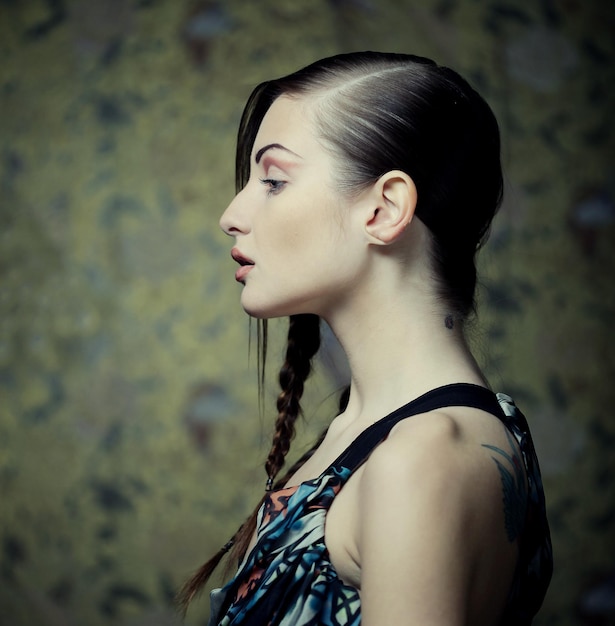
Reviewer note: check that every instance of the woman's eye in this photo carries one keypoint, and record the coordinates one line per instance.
(273, 186)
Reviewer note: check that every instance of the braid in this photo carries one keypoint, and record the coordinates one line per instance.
(303, 343)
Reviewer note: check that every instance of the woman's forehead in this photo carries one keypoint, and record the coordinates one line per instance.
(287, 123)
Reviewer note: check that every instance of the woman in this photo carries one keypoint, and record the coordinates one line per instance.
(367, 183)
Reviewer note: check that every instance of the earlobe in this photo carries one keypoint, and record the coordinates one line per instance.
(394, 198)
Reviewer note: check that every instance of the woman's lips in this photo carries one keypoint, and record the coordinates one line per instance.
(246, 265)
(242, 272)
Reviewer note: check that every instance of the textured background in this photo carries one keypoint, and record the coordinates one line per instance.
(130, 436)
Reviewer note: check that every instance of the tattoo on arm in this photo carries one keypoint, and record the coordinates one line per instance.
(514, 488)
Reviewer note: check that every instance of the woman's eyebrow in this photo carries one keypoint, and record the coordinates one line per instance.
(270, 146)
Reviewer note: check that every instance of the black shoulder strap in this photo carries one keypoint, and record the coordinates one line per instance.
(457, 394)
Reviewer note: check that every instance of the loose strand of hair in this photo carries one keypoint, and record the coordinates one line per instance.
(261, 344)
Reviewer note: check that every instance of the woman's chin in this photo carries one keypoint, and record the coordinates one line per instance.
(256, 310)
(263, 311)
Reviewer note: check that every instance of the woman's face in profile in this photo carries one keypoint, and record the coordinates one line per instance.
(297, 241)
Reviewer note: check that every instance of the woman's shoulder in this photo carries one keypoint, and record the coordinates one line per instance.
(454, 472)
(453, 438)
(433, 489)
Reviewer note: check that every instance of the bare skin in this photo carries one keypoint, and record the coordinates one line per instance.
(420, 528)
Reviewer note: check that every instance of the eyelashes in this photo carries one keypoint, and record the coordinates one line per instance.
(273, 185)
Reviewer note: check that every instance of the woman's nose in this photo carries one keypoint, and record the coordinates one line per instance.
(234, 219)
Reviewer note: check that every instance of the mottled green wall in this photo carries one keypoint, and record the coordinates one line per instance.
(130, 440)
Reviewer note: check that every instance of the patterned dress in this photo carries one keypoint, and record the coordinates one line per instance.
(288, 579)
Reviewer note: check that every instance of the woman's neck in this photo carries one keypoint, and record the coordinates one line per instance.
(399, 348)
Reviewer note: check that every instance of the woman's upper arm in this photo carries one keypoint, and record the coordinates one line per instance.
(429, 504)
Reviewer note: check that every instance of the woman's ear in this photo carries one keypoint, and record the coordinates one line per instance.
(391, 206)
